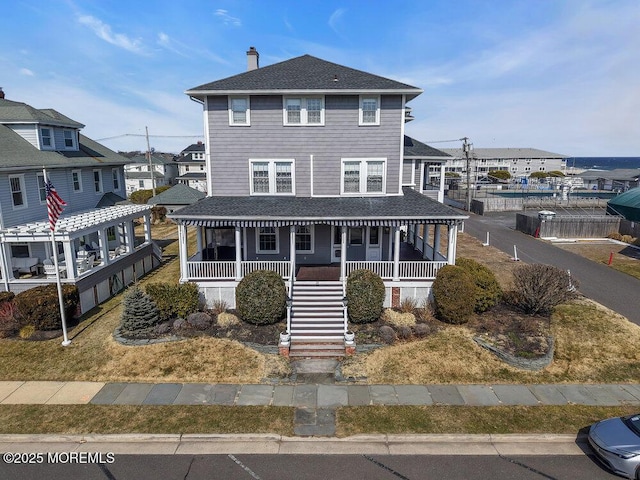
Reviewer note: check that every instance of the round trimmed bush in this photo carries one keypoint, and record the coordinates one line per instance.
(365, 296)
(452, 289)
(261, 297)
(488, 291)
(40, 306)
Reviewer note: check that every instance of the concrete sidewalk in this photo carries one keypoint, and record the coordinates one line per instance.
(314, 396)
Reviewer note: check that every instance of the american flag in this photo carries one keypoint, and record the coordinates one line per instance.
(55, 204)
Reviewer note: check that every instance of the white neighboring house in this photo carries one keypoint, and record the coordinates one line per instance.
(97, 247)
(138, 177)
(192, 170)
(519, 162)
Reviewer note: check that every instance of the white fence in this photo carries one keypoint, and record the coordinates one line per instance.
(227, 270)
(408, 270)
(281, 268)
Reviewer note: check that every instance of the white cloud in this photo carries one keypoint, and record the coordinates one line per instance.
(335, 19)
(26, 71)
(228, 19)
(103, 31)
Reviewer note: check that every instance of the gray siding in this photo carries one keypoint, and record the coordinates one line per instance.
(28, 132)
(268, 138)
(62, 180)
(407, 166)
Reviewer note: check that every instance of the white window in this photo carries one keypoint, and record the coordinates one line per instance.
(267, 240)
(364, 176)
(97, 181)
(42, 191)
(141, 183)
(76, 179)
(239, 112)
(356, 236)
(303, 110)
(46, 135)
(69, 141)
(16, 183)
(116, 179)
(304, 239)
(370, 110)
(272, 177)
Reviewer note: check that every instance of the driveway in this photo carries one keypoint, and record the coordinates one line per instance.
(616, 290)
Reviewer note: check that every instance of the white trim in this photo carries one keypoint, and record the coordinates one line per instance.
(277, 234)
(52, 139)
(79, 172)
(311, 175)
(346, 91)
(402, 128)
(40, 188)
(23, 191)
(313, 238)
(271, 169)
(115, 175)
(362, 187)
(74, 139)
(361, 121)
(304, 113)
(422, 173)
(97, 192)
(207, 147)
(247, 122)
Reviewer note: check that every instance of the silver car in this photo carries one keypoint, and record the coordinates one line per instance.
(616, 442)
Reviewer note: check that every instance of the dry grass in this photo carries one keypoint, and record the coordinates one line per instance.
(497, 261)
(473, 420)
(399, 319)
(626, 259)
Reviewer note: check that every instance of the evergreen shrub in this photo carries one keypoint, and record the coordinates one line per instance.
(174, 300)
(139, 315)
(365, 296)
(488, 291)
(452, 289)
(261, 297)
(40, 307)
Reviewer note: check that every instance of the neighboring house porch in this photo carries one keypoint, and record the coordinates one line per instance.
(98, 251)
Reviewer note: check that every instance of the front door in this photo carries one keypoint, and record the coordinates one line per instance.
(336, 244)
(374, 244)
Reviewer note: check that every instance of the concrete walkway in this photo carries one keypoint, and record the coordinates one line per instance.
(314, 396)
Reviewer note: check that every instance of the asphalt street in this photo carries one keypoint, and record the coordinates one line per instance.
(615, 290)
(321, 467)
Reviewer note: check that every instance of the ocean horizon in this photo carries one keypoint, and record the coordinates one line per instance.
(603, 163)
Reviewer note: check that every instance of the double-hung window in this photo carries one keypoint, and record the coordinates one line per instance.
(97, 181)
(303, 111)
(363, 176)
(267, 240)
(304, 239)
(69, 142)
(46, 135)
(239, 111)
(116, 179)
(76, 180)
(42, 190)
(272, 177)
(18, 198)
(370, 110)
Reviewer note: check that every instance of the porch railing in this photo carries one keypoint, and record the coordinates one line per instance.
(408, 269)
(227, 270)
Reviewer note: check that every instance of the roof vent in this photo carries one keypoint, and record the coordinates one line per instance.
(335, 78)
(1, 93)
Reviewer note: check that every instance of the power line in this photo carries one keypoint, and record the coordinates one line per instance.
(151, 136)
(445, 141)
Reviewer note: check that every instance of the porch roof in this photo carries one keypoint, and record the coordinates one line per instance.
(76, 223)
(263, 211)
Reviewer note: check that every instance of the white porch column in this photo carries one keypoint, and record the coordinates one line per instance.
(238, 240)
(70, 259)
(7, 271)
(451, 248)
(103, 243)
(182, 244)
(425, 240)
(441, 189)
(292, 251)
(130, 233)
(199, 246)
(343, 254)
(396, 253)
(436, 241)
(416, 235)
(147, 227)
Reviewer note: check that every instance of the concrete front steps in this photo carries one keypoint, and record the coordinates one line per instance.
(317, 325)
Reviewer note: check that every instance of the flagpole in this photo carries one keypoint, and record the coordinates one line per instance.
(65, 339)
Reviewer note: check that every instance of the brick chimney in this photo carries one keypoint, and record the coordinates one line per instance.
(1, 93)
(252, 59)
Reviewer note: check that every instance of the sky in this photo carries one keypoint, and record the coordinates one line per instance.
(561, 76)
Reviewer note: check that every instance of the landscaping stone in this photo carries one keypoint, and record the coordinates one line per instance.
(133, 394)
(478, 395)
(514, 395)
(108, 393)
(520, 362)
(163, 394)
(445, 395)
(413, 395)
(383, 395)
(255, 395)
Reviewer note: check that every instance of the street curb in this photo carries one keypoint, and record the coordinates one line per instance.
(203, 444)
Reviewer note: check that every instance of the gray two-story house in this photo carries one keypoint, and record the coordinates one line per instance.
(96, 243)
(308, 177)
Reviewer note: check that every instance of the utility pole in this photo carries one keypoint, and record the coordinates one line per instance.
(466, 148)
(151, 172)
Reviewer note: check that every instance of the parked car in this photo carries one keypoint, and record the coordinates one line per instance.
(616, 443)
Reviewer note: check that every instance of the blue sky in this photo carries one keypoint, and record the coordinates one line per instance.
(562, 76)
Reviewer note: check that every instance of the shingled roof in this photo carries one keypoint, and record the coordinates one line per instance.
(304, 74)
(18, 112)
(416, 149)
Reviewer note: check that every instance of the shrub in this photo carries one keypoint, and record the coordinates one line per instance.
(408, 305)
(219, 306)
(226, 320)
(8, 318)
(142, 196)
(139, 315)
(627, 239)
(365, 296)
(174, 300)
(538, 288)
(261, 297)
(615, 236)
(40, 306)
(6, 296)
(399, 319)
(27, 332)
(488, 291)
(452, 289)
